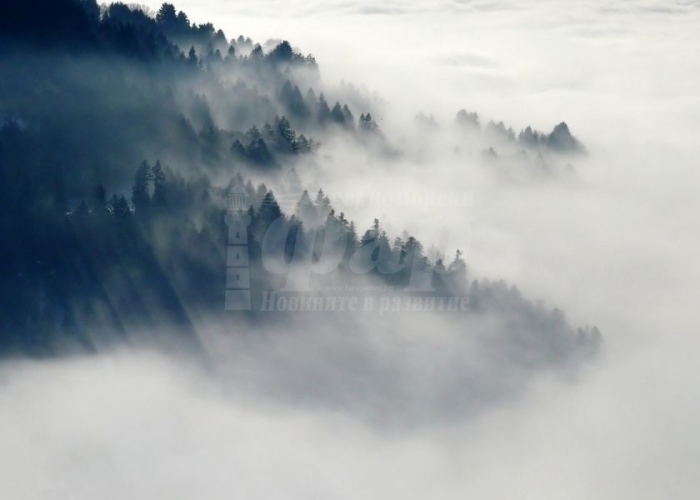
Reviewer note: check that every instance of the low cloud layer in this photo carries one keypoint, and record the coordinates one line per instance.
(141, 426)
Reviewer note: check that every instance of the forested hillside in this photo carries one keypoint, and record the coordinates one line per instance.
(121, 134)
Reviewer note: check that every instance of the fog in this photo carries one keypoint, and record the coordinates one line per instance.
(337, 416)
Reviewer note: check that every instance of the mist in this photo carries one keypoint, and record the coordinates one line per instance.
(416, 405)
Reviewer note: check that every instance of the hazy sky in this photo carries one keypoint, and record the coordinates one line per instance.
(618, 248)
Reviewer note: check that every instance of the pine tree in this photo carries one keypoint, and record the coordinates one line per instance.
(166, 15)
(337, 114)
(269, 212)
(140, 192)
(323, 205)
(457, 271)
(323, 112)
(259, 153)
(159, 187)
(238, 150)
(119, 207)
(367, 124)
(349, 118)
(192, 56)
(287, 135)
(282, 53)
(305, 209)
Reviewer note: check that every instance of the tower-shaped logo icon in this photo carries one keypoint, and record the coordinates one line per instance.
(237, 262)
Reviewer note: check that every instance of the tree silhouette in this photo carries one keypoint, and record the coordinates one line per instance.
(140, 192)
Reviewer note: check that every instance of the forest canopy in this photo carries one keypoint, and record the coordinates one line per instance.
(121, 134)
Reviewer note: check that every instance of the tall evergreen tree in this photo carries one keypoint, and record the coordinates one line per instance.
(323, 112)
(140, 192)
(159, 187)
